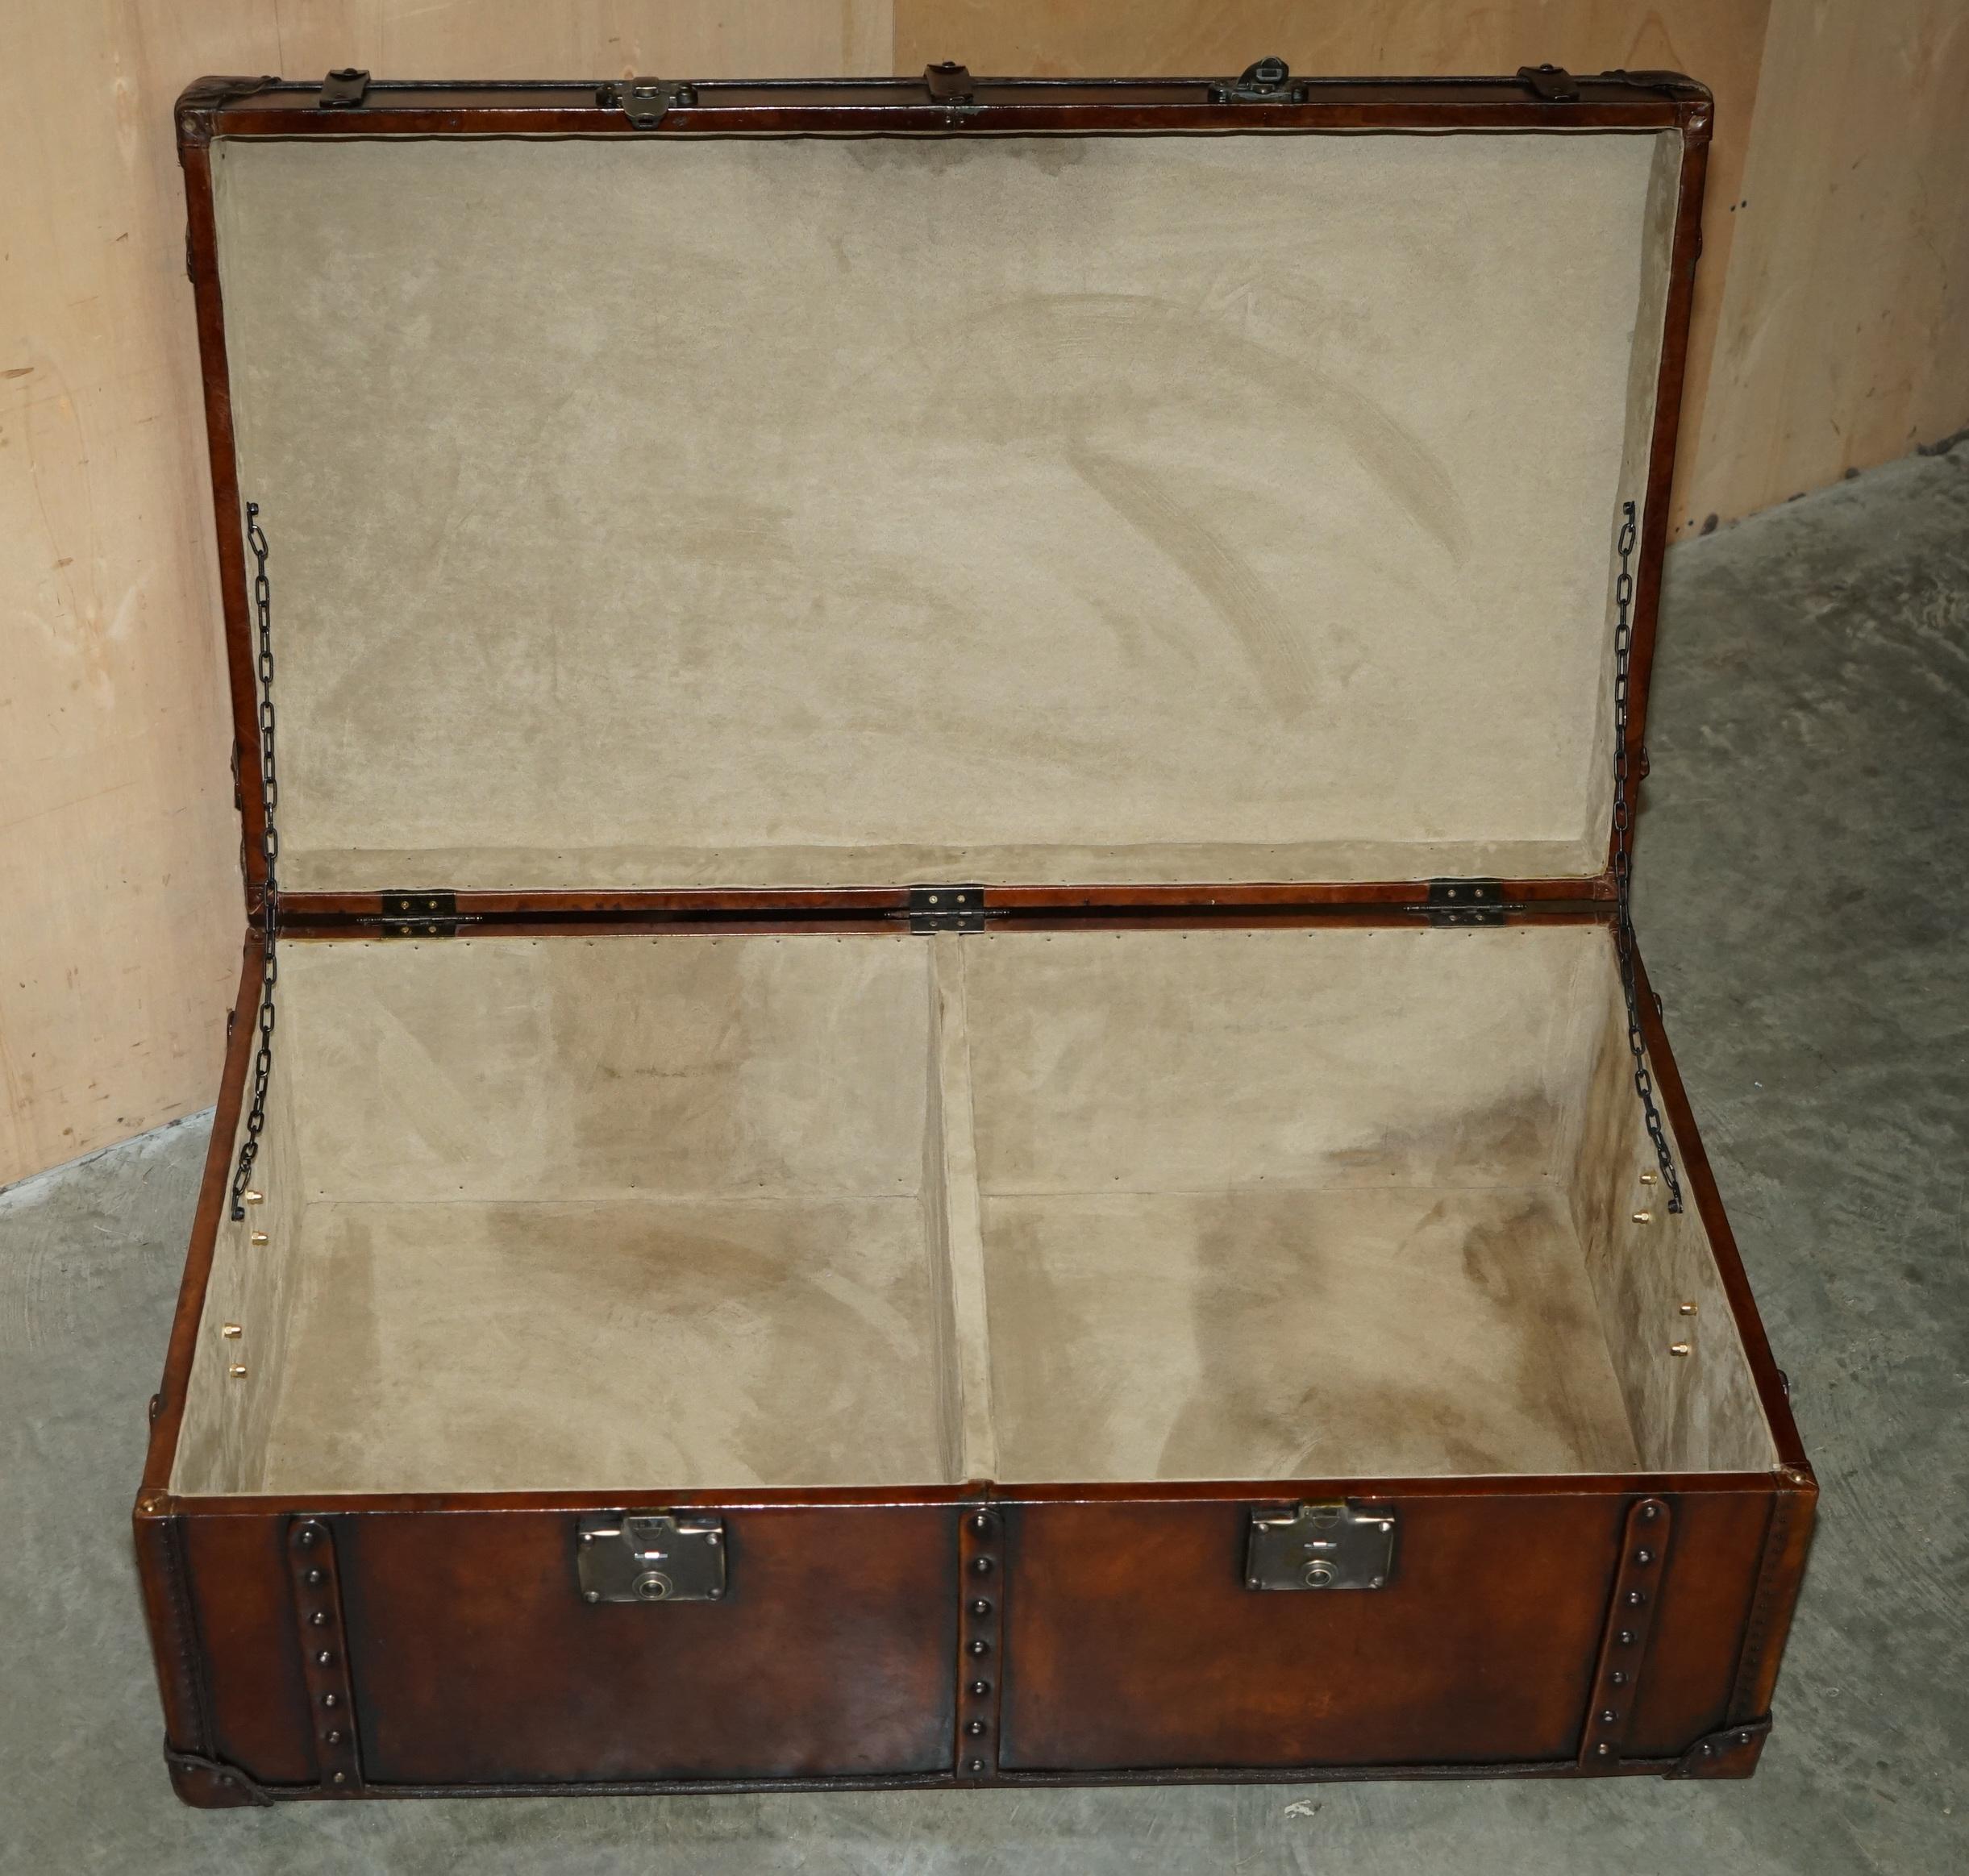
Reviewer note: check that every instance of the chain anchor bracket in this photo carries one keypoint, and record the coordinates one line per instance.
(269, 855)
(1624, 777)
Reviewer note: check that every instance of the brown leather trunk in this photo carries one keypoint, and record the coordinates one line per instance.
(923, 1528)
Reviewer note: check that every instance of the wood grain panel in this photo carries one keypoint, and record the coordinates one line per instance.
(1832, 332)
(1844, 333)
(119, 897)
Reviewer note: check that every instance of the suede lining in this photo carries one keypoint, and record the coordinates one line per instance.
(810, 512)
(663, 1213)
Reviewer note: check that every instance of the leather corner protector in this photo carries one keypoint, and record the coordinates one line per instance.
(199, 102)
(210, 1784)
(1731, 1753)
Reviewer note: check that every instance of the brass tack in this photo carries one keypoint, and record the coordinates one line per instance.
(314, 1579)
(305, 1537)
(1680, 1348)
(1647, 1179)
(320, 1619)
(341, 1778)
(330, 1700)
(1643, 1217)
(1604, 1750)
(981, 1647)
(256, 1237)
(1626, 1638)
(254, 1198)
(982, 1566)
(976, 1728)
(980, 1688)
(1649, 1512)
(1635, 1599)
(975, 1766)
(323, 1658)
(1608, 1716)
(1686, 1309)
(334, 1735)
(592, 1595)
(1618, 1677)
(237, 1371)
(1644, 1556)
(231, 1331)
(980, 1522)
(980, 1608)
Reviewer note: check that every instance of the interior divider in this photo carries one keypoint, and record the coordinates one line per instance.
(950, 1186)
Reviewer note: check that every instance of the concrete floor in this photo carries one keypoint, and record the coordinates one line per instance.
(1804, 898)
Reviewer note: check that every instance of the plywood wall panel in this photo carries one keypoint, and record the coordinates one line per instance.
(119, 896)
(1832, 331)
(1843, 338)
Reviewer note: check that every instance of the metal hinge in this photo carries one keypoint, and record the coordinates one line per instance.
(1339, 1544)
(651, 1557)
(948, 82)
(1554, 84)
(1467, 902)
(420, 915)
(1267, 81)
(946, 909)
(342, 90)
(643, 100)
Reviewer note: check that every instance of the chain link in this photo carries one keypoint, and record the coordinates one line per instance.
(1623, 868)
(269, 855)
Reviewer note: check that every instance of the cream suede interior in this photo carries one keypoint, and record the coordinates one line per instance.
(810, 512)
(655, 1213)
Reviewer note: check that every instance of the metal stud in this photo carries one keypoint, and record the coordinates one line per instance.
(1649, 1512)
(330, 1700)
(980, 1608)
(341, 1778)
(974, 1765)
(333, 1736)
(1608, 1716)
(237, 1371)
(320, 1619)
(982, 1566)
(314, 1579)
(1647, 1179)
(980, 1646)
(980, 1688)
(322, 1658)
(1644, 1556)
(1618, 1677)
(307, 1536)
(1686, 1309)
(980, 1523)
(231, 1331)
(1636, 1597)
(254, 1198)
(591, 1596)
(1604, 1750)
(1625, 1638)
(1680, 1348)
(976, 1728)
(1643, 1217)
(255, 1237)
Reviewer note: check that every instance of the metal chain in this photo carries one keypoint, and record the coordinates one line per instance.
(269, 854)
(1623, 868)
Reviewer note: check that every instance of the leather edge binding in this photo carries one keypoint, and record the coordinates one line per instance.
(1731, 1753)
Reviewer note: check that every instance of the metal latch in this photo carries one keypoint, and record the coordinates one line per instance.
(420, 915)
(1466, 902)
(651, 1557)
(946, 909)
(342, 90)
(1340, 1545)
(643, 100)
(1267, 81)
